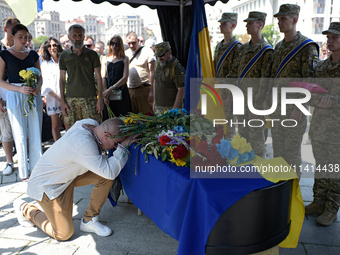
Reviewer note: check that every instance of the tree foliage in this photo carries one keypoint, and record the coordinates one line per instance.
(39, 41)
(271, 34)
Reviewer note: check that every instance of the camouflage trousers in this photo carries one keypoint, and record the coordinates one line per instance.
(326, 189)
(161, 109)
(254, 135)
(287, 140)
(228, 112)
(81, 108)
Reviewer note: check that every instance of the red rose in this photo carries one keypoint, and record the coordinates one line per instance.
(219, 129)
(212, 149)
(163, 140)
(217, 138)
(215, 158)
(202, 148)
(149, 114)
(179, 152)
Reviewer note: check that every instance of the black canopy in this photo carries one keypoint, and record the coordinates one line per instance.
(175, 17)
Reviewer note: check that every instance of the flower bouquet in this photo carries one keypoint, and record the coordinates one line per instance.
(165, 136)
(30, 77)
(185, 139)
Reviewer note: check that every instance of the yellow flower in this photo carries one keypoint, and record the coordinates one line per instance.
(22, 73)
(240, 143)
(128, 121)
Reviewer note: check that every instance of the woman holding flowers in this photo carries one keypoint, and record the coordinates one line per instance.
(24, 104)
(50, 88)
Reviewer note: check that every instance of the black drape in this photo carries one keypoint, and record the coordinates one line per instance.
(169, 19)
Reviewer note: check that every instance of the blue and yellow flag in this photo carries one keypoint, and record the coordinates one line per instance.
(199, 63)
(25, 10)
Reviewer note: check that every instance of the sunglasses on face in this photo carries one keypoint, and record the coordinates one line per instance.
(141, 41)
(114, 43)
(88, 45)
(162, 54)
(53, 45)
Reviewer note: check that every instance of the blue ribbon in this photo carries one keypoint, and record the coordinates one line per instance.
(291, 54)
(224, 56)
(252, 62)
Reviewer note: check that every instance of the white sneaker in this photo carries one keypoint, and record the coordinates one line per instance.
(17, 204)
(8, 169)
(95, 226)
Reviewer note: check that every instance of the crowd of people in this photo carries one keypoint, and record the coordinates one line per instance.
(75, 80)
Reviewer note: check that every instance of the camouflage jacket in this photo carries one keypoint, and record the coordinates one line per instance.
(231, 58)
(300, 66)
(325, 126)
(261, 69)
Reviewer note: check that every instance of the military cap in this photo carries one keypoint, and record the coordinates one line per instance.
(286, 9)
(161, 48)
(228, 16)
(256, 16)
(334, 28)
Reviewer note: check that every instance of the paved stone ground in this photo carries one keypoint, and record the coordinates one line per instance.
(134, 234)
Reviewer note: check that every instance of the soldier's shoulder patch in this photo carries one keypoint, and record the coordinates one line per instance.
(182, 78)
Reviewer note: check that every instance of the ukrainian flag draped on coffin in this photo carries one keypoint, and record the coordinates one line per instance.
(25, 10)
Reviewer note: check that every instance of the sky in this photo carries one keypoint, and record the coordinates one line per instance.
(69, 10)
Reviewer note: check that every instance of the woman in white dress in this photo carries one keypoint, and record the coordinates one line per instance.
(50, 88)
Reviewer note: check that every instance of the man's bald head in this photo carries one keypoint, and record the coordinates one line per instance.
(112, 125)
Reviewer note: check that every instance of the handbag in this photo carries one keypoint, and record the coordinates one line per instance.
(116, 94)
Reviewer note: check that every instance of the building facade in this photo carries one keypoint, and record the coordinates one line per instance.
(94, 27)
(48, 23)
(123, 24)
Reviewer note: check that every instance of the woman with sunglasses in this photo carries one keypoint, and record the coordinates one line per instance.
(115, 72)
(51, 89)
(25, 122)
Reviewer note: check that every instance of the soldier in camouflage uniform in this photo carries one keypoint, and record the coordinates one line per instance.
(260, 69)
(287, 140)
(226, 53)
(169, 80)
(325, 134)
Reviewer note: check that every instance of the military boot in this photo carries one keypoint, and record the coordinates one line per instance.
(326, 218)
(314, 208)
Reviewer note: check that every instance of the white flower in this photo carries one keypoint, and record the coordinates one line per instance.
(167, 133)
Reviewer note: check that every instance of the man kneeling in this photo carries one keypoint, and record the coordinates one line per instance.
(74, 160)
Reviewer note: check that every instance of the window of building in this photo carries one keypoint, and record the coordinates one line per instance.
(94, 29)
(251, 6)
(319, 6)
(259, 3)
(317, 25)
(264, 3)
